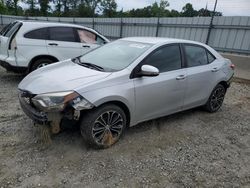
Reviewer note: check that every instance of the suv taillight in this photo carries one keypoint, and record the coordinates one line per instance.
(232, 66)
(13, 45)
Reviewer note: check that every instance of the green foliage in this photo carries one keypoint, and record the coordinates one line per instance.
(188, 11)
(94, 8)
(13, 8)
(3, 8)
(109, 8)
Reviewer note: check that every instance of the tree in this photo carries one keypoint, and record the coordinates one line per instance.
(174, 13)
(32, 11)
(44, 7)
(188, 11)
(13, 8)
(85, 11)
(109, 8)
(58, 7)
(3, 8)
(91, 5)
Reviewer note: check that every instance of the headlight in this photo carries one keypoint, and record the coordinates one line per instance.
(56, 101)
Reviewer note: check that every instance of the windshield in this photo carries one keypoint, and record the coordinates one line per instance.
(116, 55)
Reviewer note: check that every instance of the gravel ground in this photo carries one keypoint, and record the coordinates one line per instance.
(189, 149)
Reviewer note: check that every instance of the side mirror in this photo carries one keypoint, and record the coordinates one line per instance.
(148, 70)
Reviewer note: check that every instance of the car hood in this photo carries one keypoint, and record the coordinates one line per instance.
(61, 76)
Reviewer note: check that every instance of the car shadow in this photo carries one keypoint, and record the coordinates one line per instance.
(73, 135)
(9, 77)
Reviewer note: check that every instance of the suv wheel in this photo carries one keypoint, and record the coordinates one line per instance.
(40, 63)
(102, 127)
(216, 99)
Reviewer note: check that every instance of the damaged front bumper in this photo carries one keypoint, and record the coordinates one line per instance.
(37, 116)
(53, 119)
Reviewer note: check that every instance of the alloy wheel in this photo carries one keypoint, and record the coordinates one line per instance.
(217, 98)
(108, 128)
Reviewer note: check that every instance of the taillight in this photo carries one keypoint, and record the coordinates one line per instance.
(232, 66)
(13, 45)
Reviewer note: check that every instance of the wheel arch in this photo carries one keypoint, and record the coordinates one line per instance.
(34, 59)
(122, 105)
(224, 84)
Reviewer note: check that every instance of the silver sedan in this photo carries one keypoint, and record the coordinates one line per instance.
(123, 83)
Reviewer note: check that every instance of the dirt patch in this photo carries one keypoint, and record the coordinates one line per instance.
(189, 149)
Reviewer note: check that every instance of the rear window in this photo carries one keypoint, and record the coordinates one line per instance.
(62, 34)
(37, 34)
(6, 28)
(12, 29)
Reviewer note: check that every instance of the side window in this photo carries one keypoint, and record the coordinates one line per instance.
(195, 55)
(37, 34)
(99, 40)
(62, 34)
(210, 57)
(167, 58)
(86, 36)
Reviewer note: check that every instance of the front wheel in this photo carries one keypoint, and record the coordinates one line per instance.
(102, 127)
(216, 99)
(40, 63)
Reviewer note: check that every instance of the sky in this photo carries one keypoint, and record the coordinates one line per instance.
(227, 7)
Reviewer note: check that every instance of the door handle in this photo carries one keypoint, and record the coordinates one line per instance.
(215, 69)
(53, 44)
(85, 46)
(180, 77)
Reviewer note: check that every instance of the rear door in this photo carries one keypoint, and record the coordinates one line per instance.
(5, 39)
(63, 42)
(201, 77)
(88, 40)
(33, 39)
(163, 94)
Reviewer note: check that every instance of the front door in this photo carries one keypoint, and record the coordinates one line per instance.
(163, 94)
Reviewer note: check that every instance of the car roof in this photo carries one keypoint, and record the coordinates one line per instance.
(159, 40)
(51, 23)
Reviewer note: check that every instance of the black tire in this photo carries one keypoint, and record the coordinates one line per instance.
(40, 63)
(98, 134)
(216, 99)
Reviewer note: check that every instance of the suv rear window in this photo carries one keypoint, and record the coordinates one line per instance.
(37, 34)
(66, 34)
(6, 28)
(12, 29)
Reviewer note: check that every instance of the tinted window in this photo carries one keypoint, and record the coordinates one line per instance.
(86, 36)
(6, 28)
(195, 55)
(12, 29)
(62, 34)
(165, 59)
(37, 34)
(210, 57)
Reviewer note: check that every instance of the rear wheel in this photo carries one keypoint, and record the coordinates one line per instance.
(216, 99)
(102, 127)
(40, 63)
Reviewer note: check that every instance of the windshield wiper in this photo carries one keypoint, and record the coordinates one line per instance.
(89, 65)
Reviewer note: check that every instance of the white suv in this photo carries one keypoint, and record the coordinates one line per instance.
(28, 45)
